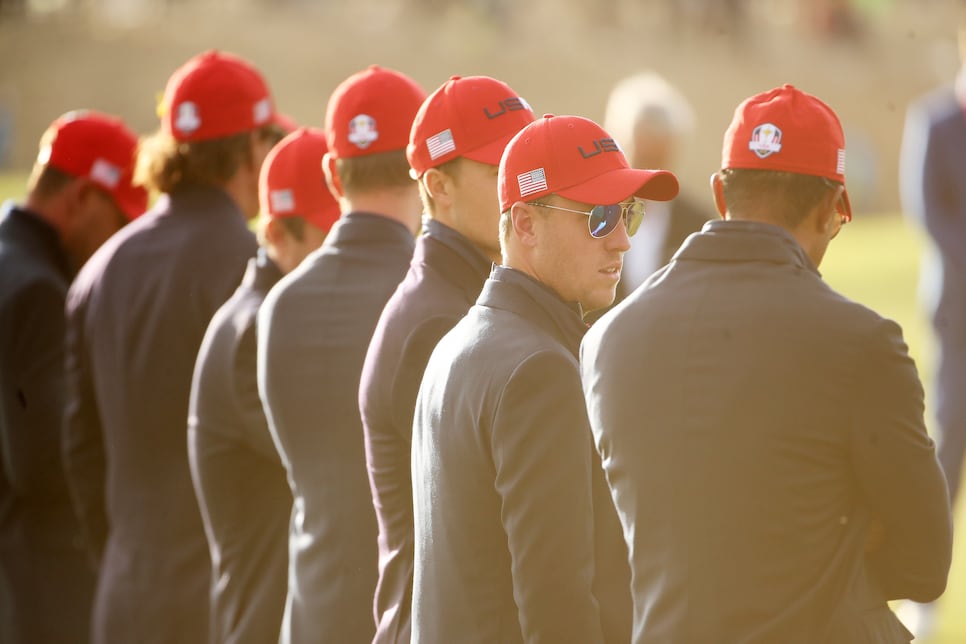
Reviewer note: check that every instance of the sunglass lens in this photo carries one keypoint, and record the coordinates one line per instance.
(635, 215)
(603, 220)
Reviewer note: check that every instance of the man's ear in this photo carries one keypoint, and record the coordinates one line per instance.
(439, 185)
(523, 220)
(717, 190)
(828, 209)
(332, 176)
(272, 231)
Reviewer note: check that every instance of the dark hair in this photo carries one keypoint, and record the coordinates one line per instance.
(374, 172)
(295, 225)
(164, 163)
(787, 196)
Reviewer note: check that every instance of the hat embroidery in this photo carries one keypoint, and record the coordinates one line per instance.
(106, 173)
(262, 110)
(531, 182)
(600, 145)
(512, 104)
(188, 120)
(840, 162)
(282, 200)
(766, 139)
(440, 144)
(362, 131)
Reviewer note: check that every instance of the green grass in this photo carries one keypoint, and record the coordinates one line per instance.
(875, 261)
(12, 185)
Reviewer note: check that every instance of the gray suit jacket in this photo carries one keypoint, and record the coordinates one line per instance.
(136, 315)
(313, 332)
(238, 476)
(753, 423)
(516, 538)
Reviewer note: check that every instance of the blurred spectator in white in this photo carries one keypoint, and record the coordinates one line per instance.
(652, 122)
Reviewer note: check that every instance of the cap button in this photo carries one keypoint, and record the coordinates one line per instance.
(548, 116)
(454, 78)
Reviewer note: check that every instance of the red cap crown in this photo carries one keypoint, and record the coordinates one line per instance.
(575, 158)
(215, 95)
(99, 147)
(786, 130)
(371, 111)
(292, 183)
(473, 117)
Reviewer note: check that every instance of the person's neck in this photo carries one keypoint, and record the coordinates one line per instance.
(245, 195)
(400, 205)
(813, 245)
(52, 211)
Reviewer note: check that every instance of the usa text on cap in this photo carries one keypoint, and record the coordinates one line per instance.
(473, 117)
(575, 158)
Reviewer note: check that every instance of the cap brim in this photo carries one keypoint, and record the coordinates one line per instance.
(490, 153)
(617, 185)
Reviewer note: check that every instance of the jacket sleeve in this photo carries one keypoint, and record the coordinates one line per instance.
(542, 457)
(245, 387)
(32, 373)
(83, 443)
(895, 464)
(416, 351)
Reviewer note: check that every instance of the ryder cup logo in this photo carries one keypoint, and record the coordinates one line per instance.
(187, 120)
(765, 139)
(362, 131)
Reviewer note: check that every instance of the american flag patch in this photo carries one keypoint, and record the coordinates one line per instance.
(282, 201)
(531, 182)
(106, 173)
(840, 162)
(440, 144)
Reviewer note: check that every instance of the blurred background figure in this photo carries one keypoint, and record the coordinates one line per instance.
(136, 314)
(652, 121)
(238, 476)
(78, 194)
(933, 188)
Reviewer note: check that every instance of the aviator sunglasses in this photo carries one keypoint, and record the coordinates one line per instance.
(602, 220)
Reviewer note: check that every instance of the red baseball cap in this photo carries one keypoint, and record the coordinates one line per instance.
(99, 147)
(214, 95)
(473, 117)
(575, 158)
(371, 111)
(787, 130)
(291, 182)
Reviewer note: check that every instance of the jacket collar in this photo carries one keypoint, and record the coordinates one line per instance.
(442, 247)
(28, 228)
(367, 228)
(512, 290)
(261, 273)
(744, 241)
(192, 199)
